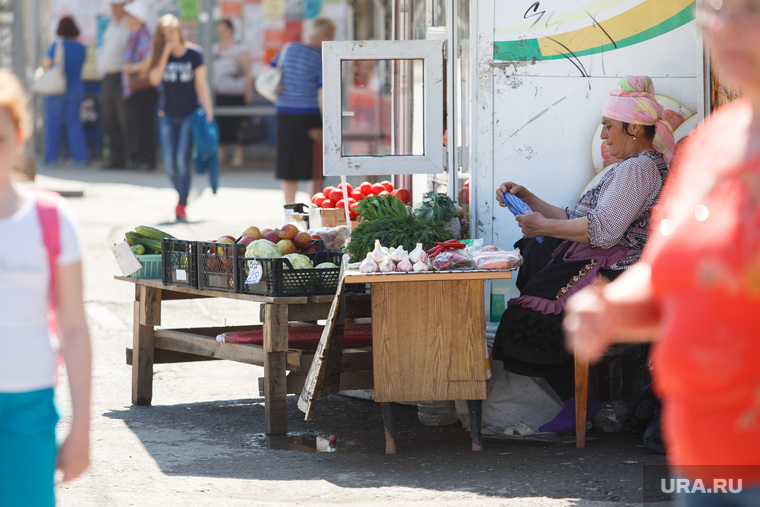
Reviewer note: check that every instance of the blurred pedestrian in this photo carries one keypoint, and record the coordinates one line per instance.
(696, 290)
(299, 107)
(41, 300)
(233, 85)
(140, 94)
(64, 109)
(177, 65)
(112, 102)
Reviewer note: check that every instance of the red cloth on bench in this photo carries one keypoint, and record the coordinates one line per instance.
(307, 337)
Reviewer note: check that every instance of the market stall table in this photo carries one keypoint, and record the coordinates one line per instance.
(153, 345)
(428, 338)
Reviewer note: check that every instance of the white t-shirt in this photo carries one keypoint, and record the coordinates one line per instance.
(27, 352)
(115, 40)
(229, 76)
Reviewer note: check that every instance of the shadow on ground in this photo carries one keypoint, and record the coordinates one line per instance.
(228, 439)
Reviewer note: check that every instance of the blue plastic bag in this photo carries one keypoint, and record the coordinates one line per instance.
(518, 207)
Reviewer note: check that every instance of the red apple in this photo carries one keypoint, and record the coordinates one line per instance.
(272, 236)
(246, 240)
(288, 231)
(252, 231)
(302, 240)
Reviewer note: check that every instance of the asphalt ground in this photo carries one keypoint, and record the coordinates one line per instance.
(203, 441)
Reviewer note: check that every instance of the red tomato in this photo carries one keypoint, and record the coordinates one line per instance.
(388, 185)
(319, 200)
(327, 203)
(353, 205)
(356, 194)
(377, 188)
(383, 193)
(316, 196)
(466, 184)
(352, 215)
(316, 236)
(403, 194)
(348, 187)
(340, 204)
(335, 195)
(327, 191)
(366, 188)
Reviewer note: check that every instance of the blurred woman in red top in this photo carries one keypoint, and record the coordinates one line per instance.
(697, 288)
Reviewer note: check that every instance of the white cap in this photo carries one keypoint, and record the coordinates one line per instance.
(138, 9)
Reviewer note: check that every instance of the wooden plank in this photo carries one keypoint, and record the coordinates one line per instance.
(429, 341)
(147, 314)
(275, 394)
(428, 276)
(157, 284)
(275, 383)
(355, 308)
(162, 356)
(188, 342)
(353, 360)
(324, 373)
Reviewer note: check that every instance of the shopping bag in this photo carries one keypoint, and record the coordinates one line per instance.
(52, 81)
(517, 206)
(269, 82)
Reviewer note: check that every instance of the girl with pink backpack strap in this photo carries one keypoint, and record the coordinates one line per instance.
(42, 318)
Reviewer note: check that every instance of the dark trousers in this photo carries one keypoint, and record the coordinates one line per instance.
(114, 112)
(141, 107)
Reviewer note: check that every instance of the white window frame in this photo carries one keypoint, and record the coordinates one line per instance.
(432, 159)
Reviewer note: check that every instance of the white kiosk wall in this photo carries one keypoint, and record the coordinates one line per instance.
(544, 71)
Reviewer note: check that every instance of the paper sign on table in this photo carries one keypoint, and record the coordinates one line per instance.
(125, 258)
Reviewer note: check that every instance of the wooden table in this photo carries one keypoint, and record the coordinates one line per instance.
(284, 368)
(429, 337)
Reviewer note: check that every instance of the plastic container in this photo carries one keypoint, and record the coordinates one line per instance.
(276, 277)
(437, 413)
(151, 266)
(217, 268)
(179, 262)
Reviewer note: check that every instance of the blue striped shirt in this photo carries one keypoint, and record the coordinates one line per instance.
(301, 78)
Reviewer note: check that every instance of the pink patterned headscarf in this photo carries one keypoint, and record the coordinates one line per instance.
(633, 101)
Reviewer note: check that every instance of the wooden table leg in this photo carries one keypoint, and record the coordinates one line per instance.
(581, 399)
(147, 315)
(389, 425)
(475, 409)
(275, 382)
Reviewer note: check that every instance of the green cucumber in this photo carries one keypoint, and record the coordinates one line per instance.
(151, 232)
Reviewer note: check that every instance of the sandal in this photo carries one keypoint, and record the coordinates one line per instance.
(518, 429)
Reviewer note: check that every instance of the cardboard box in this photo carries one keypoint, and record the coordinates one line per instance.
(328, 217)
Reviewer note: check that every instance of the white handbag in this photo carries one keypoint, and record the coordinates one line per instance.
(269, 82)
(52, 81)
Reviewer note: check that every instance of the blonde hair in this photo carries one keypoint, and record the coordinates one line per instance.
(321, 27)
(13, 98)
(167, 20)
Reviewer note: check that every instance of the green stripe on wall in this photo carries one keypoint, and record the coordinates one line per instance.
(529, 49)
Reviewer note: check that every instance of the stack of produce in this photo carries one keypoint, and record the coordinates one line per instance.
(388, 220)
(145, 240)
(332, 197)
(385, 260)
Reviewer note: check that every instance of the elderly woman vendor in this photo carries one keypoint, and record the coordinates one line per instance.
(603, 234)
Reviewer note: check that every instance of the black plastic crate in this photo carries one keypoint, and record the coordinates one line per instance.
(216, 265)
(278, 278)
(179, 262)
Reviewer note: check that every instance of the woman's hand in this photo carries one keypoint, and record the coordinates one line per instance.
(532, 224)
(587, 323)
(74, 454)
(514, 189)
(170, 45)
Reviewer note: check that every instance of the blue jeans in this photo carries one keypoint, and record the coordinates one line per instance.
(176, 145)
(27, 448)
(63, 110)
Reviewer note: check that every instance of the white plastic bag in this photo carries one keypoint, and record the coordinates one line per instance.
(269, 82)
